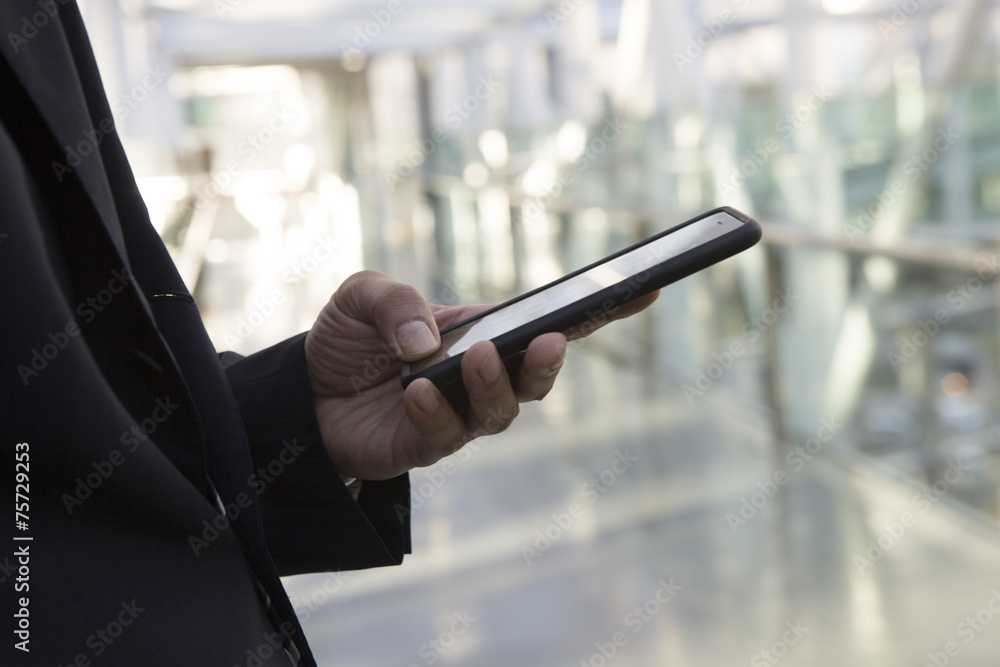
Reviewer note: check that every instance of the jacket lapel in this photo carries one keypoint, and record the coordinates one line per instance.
(57, 71)
(56, 67)
(39, 52)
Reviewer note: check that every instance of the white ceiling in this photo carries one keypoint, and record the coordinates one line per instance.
(218, 31)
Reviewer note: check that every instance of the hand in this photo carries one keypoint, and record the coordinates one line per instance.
(371, 427)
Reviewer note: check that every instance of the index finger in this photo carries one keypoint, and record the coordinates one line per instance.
(627, 310)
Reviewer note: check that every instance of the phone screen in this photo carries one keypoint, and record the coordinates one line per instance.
(631, 265)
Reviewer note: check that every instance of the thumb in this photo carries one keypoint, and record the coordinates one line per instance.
(400, 313)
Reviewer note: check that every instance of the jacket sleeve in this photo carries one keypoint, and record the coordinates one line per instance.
(311, 521)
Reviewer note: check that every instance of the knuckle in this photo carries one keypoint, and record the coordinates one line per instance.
(363, 276)
(541, 395)
(401, 293)
(499, 393)
(436, 447)
(510, 413)
(542, 390)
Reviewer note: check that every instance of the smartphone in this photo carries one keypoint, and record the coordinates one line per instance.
(589, 295)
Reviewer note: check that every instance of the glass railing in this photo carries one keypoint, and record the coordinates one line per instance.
(886, 339)
(871, 301)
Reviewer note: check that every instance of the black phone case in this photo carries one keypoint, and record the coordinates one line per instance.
(447, 374)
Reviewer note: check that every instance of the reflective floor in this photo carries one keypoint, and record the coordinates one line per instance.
(608, 527)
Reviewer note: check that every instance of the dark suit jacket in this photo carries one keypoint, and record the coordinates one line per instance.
(130, 418)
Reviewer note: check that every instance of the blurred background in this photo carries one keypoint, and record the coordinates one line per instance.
(793, 457)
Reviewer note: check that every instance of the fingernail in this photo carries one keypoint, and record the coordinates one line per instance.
(427, 400)
(490, 368)
(415, 338)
